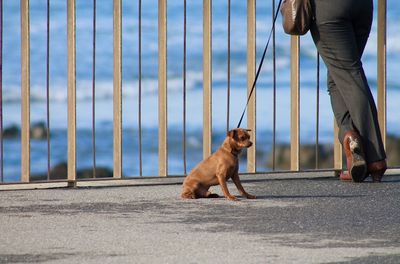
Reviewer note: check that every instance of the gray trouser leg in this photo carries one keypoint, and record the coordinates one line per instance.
(340, 32)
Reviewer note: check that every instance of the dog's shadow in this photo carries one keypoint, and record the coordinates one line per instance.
(283, 197)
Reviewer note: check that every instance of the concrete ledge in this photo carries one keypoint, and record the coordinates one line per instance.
(170, 180)
(149, 181)
(32, 186)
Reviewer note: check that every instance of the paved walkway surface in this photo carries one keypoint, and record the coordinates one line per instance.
(294, 220)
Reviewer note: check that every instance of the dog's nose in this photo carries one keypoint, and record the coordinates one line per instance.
(250, 144)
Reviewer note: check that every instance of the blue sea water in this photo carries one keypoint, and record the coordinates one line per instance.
(104, 82)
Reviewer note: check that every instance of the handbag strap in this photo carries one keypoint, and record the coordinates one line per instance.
(261, 63)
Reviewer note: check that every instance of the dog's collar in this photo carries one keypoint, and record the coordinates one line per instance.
(234, 152)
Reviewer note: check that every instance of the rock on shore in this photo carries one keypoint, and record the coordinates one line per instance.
(308, 155)
(60, 172)
(37, 131)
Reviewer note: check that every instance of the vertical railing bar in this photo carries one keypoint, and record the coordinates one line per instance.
(317, 117)
(295, 109)
(117, 82)
(382, 68)
(162, 89)
(48, 89)
(71, 24)
(337, 149)
(140, 87)
(251, 73)
(207, 77)
(94, 90)
(25, 92)
(274, 87)
(228, 96)
(1, 95)
(184, 87)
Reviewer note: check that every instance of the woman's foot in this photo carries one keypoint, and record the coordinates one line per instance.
(353, 149)
(375, 169)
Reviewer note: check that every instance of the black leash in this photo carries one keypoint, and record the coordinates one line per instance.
(261, 63)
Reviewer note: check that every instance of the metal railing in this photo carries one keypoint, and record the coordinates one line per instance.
(162, 88)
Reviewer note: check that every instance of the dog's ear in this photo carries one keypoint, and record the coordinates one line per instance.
(232, 133)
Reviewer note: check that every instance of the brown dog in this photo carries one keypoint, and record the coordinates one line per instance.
(218, 168)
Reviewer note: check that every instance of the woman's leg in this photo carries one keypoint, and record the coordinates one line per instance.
(340, 111)
(340, 33)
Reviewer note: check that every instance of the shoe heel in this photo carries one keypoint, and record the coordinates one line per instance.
(358, 171)
(377, 170)
(377, 176)
(353, 149)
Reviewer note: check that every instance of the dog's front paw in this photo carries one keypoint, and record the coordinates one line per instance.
(249, 196)
(232, 198)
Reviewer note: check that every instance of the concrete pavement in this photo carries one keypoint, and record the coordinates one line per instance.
(294, 220)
